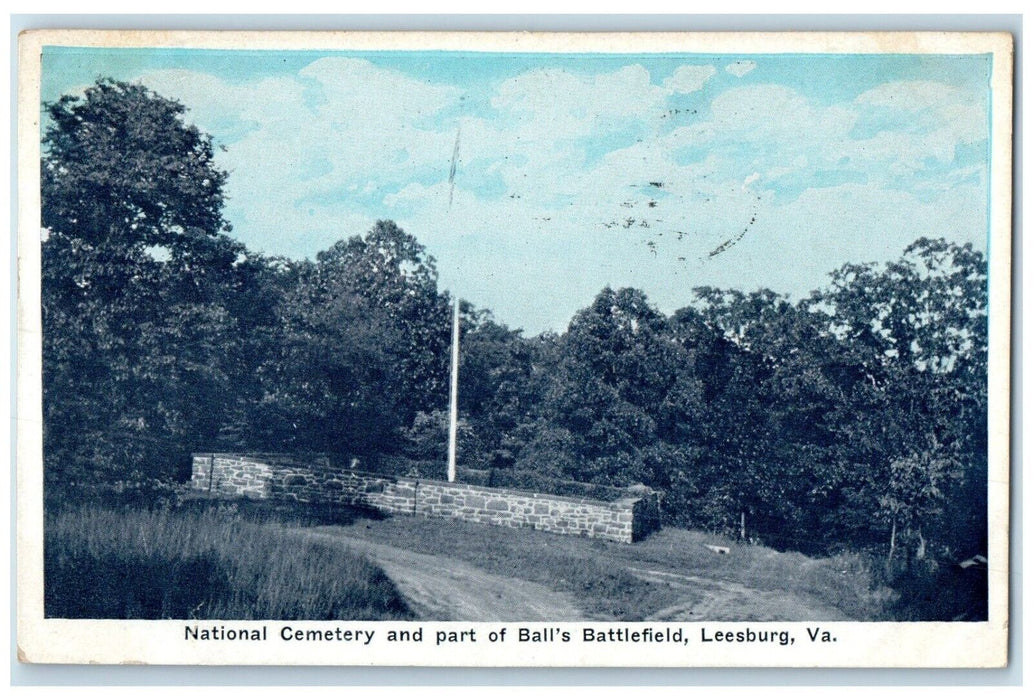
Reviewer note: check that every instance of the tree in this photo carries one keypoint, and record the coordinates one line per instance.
(254, 298)
(134, 256)
(917, 425)
(332, 384)
(392, 272)
(499, 389)
(362, 349)
(760, 411)
(617, 366)
(121, 171)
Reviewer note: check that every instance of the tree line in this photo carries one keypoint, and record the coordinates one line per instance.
(854, 418)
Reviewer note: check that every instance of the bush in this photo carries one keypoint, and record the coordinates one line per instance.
(930, 590)
(135, 492)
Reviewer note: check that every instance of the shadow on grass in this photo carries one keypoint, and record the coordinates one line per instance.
(290, 513)
(130, 585)
(949, 593)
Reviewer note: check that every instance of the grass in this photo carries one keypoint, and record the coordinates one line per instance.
(846, 582)
(204, 559)
(203, 563)
(606, 577)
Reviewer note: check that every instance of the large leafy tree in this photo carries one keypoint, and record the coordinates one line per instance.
(917, 422)
(393, 273)
(122, 170)
(134, 261)
(609, 397)
(499, 388)
(331, 385)
(761, 401)
(361, 350)
(854, 417)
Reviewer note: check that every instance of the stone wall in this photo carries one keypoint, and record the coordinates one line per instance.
(281, 478)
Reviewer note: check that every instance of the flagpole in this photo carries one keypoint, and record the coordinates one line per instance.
(453, 404)
(453, 396)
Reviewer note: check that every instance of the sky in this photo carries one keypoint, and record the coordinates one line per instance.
(535, 180)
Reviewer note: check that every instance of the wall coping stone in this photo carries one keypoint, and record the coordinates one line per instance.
(299, 460)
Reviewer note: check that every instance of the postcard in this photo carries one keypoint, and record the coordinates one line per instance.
(514, 349)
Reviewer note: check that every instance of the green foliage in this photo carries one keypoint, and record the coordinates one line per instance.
(916, 418)
(853, 418)
(616, 370)
(427, 439)
(134, 263)
(501, 385)
(360, 349)
(392, 272)
(121, 170)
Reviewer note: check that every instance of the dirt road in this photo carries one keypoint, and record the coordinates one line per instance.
(715, 600)
(443, 588)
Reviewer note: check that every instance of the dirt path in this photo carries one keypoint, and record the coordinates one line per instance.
(444, 588)
(715, 600)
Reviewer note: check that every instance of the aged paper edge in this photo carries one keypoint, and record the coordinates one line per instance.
(862, 644)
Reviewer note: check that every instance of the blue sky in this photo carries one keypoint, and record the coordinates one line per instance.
(576, 171)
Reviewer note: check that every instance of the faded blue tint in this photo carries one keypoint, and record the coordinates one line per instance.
(829, 78)
(314, 169)
(789, 187)
(229, 131)
(610, 138)
(480, 178)
(537, 244)
(689, 155)
(879, 119)
(971, 154)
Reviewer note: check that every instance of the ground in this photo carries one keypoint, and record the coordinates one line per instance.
(449, 570)
(444, 588)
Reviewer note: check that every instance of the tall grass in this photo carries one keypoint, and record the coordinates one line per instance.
(172, 564)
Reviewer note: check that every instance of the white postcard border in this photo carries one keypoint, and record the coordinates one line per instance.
(858, 644)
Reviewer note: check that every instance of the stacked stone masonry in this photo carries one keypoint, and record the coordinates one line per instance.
(265, 477)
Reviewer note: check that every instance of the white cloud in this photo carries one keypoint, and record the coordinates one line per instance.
(553, 92)
(689, 78)
(389, 94)
(773, 112)
(310, 151)
(778, 133)
(909, 95)
(740, 68)
(323, 154)
(959, 115)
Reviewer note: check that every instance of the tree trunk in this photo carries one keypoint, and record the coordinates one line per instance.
(742, 525)
(893, 544)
